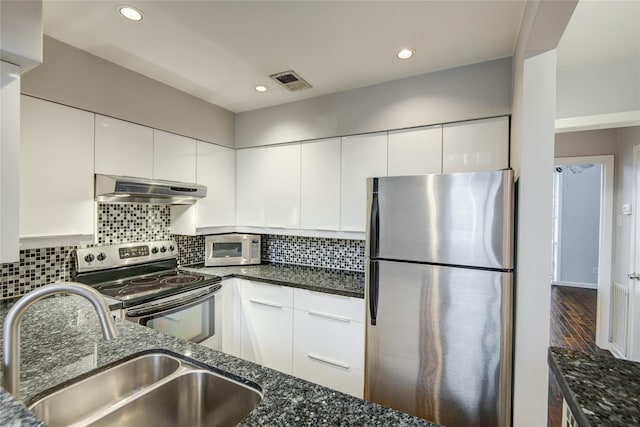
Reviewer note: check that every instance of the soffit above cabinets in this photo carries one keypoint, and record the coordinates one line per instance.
(220, 50)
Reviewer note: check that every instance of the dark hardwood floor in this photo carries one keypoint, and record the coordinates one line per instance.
(573, 325)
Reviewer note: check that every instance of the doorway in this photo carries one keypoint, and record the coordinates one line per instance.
(576, 224)
(583, 231)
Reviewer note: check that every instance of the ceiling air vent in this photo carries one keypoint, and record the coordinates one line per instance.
(290, 80)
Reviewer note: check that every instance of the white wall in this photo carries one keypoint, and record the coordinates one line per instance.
(627, 138)
(532, 147)
(78, 79)
(463, 93)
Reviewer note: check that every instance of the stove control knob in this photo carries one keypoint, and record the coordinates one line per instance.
(171, 248)
(163, 249)
(89, 258)
(101, 256)
(154, 250)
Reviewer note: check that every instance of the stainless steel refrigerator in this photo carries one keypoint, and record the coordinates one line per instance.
(439, 283)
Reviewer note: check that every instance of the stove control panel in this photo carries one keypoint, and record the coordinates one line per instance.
(112, 256)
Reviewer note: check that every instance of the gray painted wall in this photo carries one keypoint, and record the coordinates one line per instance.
(580, 231)
(463, 93)
(586, 143)
(76, 78)
(600, 88)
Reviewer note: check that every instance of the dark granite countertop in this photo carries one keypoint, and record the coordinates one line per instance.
(61, 339)
(600, 390)
(338, 282)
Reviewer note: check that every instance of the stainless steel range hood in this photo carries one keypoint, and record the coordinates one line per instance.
(126, 189)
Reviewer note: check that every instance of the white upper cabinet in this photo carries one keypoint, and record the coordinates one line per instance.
(363, 156)
(216, 169)
(9, 161)
(478, 145)
(282, 202)
(251, 171)
(123, 148)
(415, 151)
(320, 185)
(174, 157)
(56, 170)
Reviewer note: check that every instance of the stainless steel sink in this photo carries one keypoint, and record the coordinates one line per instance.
(193, 399)
(152, 389)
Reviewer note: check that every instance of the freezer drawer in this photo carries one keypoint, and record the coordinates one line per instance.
(455, 219)
(441, 345)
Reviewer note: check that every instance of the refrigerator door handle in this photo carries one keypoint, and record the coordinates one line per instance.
(373, 291)
(374, 225)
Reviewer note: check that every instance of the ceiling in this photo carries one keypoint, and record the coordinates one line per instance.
(220, 50)
(601, 31)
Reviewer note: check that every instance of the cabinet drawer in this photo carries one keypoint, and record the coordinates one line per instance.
(331, 305)
(311, 368)
(341, 341)
(266, 293)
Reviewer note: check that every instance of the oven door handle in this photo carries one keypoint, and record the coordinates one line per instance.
(155, 309)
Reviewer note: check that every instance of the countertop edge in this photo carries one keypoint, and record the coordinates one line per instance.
(567, 393)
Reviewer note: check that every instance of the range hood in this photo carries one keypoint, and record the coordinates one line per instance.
(126, 189)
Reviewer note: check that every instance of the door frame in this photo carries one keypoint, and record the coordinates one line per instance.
(605, 243)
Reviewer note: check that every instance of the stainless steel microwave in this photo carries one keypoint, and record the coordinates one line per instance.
(232, 249)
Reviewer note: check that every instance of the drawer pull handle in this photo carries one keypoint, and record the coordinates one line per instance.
(328, 361)
(329, 316)
(268, 304)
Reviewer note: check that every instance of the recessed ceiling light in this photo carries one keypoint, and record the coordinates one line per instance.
(131, 13)
(261, 88)
(405, 53)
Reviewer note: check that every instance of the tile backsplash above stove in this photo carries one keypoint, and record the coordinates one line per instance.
(134, 222)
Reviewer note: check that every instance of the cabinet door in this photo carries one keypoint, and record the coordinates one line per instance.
(251, 170)
(174, 157)
(123, 148)
(328, 340)
(267, 325)
(216, 169)
(9, 161)
(478, 145)
(415, 151)
(282, 204)
(56, 170)
(231, 316)
(320, 185)
(363, 156)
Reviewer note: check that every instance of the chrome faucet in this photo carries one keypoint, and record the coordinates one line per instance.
(11, 332)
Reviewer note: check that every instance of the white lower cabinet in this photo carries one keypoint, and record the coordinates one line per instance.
(328, 340)
(266, 326)
(315, 336)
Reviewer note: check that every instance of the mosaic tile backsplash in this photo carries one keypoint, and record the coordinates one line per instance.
(35, 268)
(133, 222)
(341, 254)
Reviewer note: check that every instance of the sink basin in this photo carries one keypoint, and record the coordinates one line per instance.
(152, 389)
(193, 399)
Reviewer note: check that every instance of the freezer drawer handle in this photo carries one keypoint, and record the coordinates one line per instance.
(373, 291)
(329, 316)
(268, 304)
(328, 361)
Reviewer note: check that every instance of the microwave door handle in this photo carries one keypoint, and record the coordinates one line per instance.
(170, 306)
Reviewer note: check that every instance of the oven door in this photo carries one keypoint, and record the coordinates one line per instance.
(191, 316)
